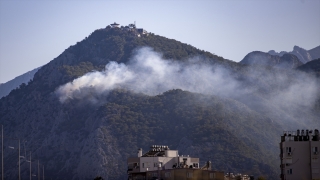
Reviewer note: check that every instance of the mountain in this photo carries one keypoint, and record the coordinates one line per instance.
(274, 53)
(89, 109)
(303, 55)
(5, 88)
(286, 61)
(311, 67)
(315, 52)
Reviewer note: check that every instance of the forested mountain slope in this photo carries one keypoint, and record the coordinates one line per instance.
(85, 112)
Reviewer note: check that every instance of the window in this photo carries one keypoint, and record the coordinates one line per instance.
(159, 164)
(315, 170)
(288, 149)
(314, 160)
(145, 165)
(167, 174)
(189, 174)
(195, 165)
(289, 171)
(315, 150)
(154, 174)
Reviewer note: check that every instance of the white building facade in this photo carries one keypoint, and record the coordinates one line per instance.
(299, 155)
(159, 158)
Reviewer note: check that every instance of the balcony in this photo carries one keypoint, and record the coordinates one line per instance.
(132, 169)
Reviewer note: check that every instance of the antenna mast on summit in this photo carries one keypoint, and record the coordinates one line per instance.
(134, 23)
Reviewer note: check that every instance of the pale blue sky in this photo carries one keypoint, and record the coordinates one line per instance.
(32, 33)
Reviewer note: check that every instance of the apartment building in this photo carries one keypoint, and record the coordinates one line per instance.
(162, 163)
(299, 155)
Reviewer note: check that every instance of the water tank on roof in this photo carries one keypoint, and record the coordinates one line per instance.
(306, 137)
(316, 135)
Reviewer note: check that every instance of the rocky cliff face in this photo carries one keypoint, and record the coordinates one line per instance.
(80, 139)
(303, 55)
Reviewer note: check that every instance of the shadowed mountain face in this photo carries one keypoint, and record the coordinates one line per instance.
(85, 112)
(311, 67)
(285, 61)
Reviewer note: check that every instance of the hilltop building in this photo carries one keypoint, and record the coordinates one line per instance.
(162, 163)
(130, 28)
(299, 155)
(114, 25)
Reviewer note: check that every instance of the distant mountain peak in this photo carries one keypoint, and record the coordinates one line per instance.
(303, 55)
(273, 52)
(286, 61)
(295, 47)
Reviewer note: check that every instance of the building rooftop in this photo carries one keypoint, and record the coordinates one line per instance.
(156, 151)
(300, 135)
(115, 24)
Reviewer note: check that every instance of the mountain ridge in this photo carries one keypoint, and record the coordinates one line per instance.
(286, 61)
(303, 55)
(5, 88)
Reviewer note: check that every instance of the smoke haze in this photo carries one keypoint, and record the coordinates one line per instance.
(148, 73)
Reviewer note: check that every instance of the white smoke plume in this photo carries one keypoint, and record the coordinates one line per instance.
(148, 73)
